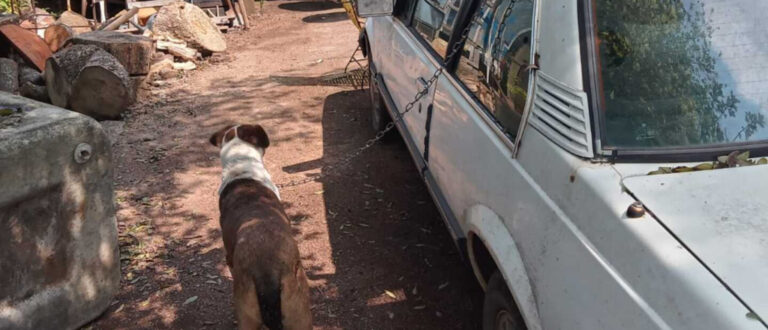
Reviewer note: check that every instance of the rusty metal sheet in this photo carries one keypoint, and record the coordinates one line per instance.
(31, 47)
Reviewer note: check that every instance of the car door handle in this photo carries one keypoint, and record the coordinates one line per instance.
(422, 82)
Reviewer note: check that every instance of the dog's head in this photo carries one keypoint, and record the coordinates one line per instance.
(253, 134)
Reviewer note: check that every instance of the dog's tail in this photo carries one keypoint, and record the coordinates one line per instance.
(268, 293)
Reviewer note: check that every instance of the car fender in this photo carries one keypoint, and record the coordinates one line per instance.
(485, 224)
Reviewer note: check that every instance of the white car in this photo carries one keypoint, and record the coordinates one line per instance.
(605, 184)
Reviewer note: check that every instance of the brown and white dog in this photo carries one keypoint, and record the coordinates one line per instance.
(270, 286)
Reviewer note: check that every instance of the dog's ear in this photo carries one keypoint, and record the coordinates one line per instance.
(254, 134)
(218, 137)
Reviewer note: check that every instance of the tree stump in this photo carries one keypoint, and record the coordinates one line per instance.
(188, 22)
(134, 52)
(89, 80)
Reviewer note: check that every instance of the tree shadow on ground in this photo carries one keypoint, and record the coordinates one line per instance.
(393, 256)
(326, 18)
(310, 5)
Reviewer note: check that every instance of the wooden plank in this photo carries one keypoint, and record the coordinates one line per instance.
(33, 49)
(152, 3)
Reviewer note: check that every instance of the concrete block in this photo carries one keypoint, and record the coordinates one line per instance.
(59, 259)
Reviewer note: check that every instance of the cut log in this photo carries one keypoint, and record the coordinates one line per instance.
(134, 52)
(89, 80)
(77, 22)
(188, 22)
(184, 66)
(35, 92)
(62, 69)
(9, 75)
(165, 44)
(102, 89)
(57, 35)
(184, 53)
(37, 19)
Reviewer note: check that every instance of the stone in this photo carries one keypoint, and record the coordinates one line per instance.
(58, 233)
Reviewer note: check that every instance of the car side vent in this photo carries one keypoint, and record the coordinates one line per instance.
(561, 114)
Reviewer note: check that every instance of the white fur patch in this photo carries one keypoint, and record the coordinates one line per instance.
(242, 160)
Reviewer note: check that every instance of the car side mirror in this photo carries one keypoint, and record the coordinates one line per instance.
(372, 8)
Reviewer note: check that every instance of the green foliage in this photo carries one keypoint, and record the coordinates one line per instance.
(659, 76)
(5, 6)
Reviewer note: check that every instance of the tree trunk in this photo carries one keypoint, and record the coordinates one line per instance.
(134, 52)
(9, 75)
(188, 22)
(57, 35)
(88, 80)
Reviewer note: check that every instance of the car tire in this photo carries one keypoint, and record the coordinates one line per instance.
(379, 115)
(499, 309)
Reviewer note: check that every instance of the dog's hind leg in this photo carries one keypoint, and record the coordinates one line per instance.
(294, 299)
(246, 302)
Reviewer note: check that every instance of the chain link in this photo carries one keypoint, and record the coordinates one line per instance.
(502, 27)
(331, 169)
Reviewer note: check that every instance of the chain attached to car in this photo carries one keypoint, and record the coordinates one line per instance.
(333, 168)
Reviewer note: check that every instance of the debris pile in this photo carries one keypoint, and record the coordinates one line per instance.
(99, 67)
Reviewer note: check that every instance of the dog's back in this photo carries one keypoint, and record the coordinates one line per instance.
(270, 285)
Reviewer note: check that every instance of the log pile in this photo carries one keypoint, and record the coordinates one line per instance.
(96, 69)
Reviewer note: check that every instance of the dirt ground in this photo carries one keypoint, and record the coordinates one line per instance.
(375, 248)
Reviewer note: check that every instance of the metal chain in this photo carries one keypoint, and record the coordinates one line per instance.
(330, 169)
(502, 27)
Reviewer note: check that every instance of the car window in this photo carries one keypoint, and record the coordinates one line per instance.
(493, 65)
(434, 21)
(404, 10)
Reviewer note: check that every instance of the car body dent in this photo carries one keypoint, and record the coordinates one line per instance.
(489, 228)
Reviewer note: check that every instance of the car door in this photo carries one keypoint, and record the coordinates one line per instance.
(478, 109)
(419, 43)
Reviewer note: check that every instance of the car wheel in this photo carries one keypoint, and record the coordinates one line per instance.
(379, 115)
(499, 309)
